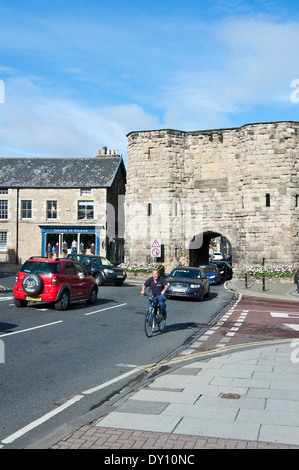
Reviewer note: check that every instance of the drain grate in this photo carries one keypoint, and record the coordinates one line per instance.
(231, 396)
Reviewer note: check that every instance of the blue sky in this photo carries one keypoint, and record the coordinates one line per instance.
(76, 75)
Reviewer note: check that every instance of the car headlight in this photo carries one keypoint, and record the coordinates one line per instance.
(213, 275)
(194, 286)
(109, 271)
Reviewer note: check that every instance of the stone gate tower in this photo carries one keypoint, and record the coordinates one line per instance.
(186, 188)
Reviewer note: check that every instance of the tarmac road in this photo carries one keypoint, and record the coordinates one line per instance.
(235, 387)
(61, 365)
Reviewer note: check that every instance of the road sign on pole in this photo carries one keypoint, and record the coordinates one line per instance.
(156, 247)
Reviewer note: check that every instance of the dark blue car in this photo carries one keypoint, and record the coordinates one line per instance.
(212, 271)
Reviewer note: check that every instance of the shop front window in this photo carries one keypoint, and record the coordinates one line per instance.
(85, 210)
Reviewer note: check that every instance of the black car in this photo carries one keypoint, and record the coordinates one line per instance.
(188, 282)
(225, 270)
(101, 269)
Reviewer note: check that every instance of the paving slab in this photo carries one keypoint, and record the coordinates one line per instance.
(140, 421)
(279, 434)
(241, 399)
(221, 429)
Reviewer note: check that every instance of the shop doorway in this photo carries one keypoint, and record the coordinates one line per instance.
(78, 243)
(52, 245)
(61, 241)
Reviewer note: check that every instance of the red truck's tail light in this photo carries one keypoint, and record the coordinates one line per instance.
(54, 281)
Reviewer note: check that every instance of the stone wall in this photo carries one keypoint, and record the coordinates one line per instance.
(187, 187)
(29, 231)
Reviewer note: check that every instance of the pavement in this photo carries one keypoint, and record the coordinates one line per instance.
(241, 397)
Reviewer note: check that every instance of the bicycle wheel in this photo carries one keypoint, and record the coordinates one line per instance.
(162, 322)
(149, 323)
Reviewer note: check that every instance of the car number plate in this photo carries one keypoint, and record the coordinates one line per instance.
(179, 289)
(36, 299)
(119, 275)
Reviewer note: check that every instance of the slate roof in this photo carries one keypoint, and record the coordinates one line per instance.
(95, 172)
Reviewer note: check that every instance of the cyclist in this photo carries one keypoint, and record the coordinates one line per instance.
(158, 286)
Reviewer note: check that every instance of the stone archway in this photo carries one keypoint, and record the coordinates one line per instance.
(200, 255)
(231, 181)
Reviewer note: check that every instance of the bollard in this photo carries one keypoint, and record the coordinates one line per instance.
(246, 284)
(298, 284)
(264, 283)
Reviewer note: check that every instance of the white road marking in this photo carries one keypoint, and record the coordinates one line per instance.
(234, 328)
(130, 366)
(279, 315)
(221, 322)
(293, 327)
(110, 382)
(284, 314)
(73, 400)
(30, 329)
(46, 417)
(103, 309)
(34, 424)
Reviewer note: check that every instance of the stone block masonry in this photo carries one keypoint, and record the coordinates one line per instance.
(189, 187)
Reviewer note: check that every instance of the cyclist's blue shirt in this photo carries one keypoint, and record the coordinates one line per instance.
(156, 288)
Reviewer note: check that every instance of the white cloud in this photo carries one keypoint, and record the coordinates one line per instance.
(200, 78)
(252, 66)
(32, 123)
(262, 57)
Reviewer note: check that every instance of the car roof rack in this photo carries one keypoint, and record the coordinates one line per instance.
(38, 257)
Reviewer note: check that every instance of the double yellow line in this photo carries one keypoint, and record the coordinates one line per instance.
(212, 352)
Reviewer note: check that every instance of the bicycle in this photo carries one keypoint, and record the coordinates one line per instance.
(154, 316)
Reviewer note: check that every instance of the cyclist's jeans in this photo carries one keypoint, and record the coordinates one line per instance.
(162, 300)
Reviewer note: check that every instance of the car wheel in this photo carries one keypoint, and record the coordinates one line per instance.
(20, 302)
(64, 301)
(99, 279)
(32, 284)
(93, 296)
(201, 295)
